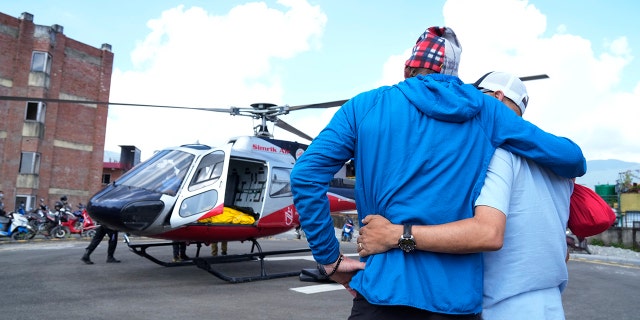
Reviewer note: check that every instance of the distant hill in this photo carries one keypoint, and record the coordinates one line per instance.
(605, 172)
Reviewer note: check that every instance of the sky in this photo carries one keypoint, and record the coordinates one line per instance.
(222, 54)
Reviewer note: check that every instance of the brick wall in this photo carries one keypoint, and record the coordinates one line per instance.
(72, 146)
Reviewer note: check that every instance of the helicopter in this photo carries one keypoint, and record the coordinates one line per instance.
(199, 194)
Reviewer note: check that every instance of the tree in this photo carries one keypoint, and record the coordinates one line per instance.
(626, 181)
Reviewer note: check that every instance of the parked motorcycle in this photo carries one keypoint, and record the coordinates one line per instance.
(78, 222)
(37, 217)
(299, 232)
(44, 221)
(78, 213)
(16, 226)
(347, 230)
(576, 244)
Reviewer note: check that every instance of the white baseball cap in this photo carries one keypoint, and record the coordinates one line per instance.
(512, 87)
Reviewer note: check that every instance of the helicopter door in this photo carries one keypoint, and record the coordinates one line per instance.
(249, 178)
(205, 189)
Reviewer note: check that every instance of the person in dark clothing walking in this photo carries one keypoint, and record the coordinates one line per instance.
(101, 231)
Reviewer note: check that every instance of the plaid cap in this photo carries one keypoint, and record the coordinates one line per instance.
(512, 87)
(437, 49)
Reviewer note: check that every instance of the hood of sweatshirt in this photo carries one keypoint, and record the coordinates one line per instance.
(442, 97)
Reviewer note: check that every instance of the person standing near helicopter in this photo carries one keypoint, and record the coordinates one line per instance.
(2, 212)
(223, 248)
(180, 251)
(101, 231)
(421, 151)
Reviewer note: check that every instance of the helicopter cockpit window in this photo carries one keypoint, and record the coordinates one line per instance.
(280, 183)
(209, 170)
(163, 173)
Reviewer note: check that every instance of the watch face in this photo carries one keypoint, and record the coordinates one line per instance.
(407, 244)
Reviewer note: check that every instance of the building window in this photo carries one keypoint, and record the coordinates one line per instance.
(30, 163)
(35, 111)
(41, 62)
(106, 178)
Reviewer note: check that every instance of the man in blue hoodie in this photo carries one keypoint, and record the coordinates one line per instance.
(421, 150)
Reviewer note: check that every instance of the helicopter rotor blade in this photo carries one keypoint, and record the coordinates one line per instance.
(269, 113)
(12, 98)
(322, 105)
(535, 77)
(290, 128)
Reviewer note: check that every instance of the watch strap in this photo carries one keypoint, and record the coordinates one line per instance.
(407, 231)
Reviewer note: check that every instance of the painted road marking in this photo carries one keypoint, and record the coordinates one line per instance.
(607, 263)
(306, 257)
(318, 288)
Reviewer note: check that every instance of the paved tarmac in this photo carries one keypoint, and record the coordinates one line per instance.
(45, 279)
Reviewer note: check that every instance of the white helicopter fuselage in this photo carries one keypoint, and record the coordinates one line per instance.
(197, 193)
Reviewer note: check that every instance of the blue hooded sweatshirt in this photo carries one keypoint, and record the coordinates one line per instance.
(421, 150)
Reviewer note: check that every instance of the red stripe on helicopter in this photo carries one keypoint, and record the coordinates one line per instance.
(338, 203)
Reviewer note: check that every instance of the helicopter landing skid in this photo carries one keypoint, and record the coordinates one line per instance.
(206, 264)
(141, 250)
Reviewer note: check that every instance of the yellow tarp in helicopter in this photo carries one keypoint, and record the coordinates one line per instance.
(230, 215)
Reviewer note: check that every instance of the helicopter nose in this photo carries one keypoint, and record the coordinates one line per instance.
(125, 209)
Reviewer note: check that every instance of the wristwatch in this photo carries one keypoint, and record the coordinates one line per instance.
(407, 243)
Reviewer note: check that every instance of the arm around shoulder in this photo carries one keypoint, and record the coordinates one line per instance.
(559, 154)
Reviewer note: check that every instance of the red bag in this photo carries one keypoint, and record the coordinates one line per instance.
(589, 214)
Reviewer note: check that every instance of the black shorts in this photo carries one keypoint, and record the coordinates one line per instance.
(363, 310)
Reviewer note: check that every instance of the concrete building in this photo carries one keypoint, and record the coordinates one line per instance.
(112, 170)
(50, 149)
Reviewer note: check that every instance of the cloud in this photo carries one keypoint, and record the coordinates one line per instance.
(582, 99)
(195, 58)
